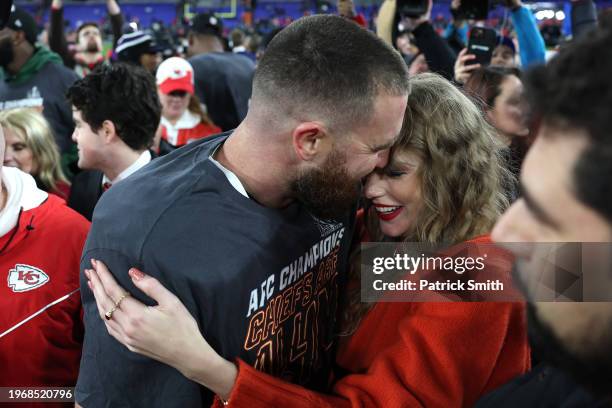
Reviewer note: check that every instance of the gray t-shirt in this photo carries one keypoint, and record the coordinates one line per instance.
(262, 283)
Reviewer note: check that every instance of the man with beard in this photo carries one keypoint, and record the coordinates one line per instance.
(87, 54)
(566, 198)
(257, 221)
(34, 76)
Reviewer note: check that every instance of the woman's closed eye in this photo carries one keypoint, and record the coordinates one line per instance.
(395, 173)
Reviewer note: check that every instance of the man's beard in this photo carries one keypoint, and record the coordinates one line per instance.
(7, 55)
(327, 192)
(592, 369)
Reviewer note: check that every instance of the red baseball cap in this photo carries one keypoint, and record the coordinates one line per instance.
(175, 74)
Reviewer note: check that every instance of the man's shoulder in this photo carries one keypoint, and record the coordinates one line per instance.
(222, 58)
(87, 176)
(52, 71)
(86, 183)
(160, 184)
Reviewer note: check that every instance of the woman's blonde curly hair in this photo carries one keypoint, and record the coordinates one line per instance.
(463, 175)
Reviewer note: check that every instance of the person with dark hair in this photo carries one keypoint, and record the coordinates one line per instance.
(34, 77)
(532, 50)
(138, 48)
(566, 198)
(499, 90)
(113, 137)
(87, 54)
(235, 225)
(223, 80)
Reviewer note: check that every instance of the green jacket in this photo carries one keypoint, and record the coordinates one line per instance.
(38, 60)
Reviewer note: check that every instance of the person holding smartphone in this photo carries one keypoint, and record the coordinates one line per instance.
(531, 45)
(434, 52)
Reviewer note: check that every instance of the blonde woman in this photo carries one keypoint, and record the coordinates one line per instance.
(443, 184)
(30, 146)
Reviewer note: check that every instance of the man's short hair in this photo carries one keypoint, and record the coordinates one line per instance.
(573, 92)
(123, 94)
(84, 26)
(328, 66)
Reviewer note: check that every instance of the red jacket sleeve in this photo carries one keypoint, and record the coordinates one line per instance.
(446, 355)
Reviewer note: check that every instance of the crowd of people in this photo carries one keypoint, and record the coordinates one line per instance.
(187, 229)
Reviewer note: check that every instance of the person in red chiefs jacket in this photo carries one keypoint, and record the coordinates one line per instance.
(41, 241)
(183, 117)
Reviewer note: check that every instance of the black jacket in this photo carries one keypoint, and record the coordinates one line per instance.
(85, 192)
(542, 387)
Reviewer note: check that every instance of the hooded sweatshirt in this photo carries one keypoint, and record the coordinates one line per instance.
(42, 83)
(41, 329)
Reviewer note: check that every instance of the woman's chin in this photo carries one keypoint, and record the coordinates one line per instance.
(391, 231)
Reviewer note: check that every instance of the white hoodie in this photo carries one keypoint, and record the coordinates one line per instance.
(22, 194)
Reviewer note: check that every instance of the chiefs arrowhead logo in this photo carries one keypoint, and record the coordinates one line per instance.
(26, 277)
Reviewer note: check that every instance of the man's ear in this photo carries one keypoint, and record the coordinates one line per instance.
(109, 132)
(309, 140)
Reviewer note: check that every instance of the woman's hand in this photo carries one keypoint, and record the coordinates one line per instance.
(463, 71)
(166, 332)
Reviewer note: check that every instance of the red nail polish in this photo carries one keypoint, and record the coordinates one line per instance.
(136, 274)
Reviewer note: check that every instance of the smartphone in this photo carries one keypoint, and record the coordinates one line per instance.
(482, 42)
(5, 12)
(474, 9)
(412, 8)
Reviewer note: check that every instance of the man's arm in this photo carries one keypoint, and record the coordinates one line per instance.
(57, 40)
(110, 374)
(116, 19)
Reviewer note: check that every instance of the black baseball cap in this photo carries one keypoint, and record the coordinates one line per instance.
(21, 20)
(208, 24)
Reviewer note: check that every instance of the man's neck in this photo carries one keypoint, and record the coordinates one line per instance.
(90, 57)
(261, 171)
(206, 44)
(120, 162)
